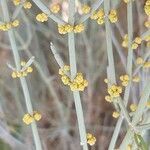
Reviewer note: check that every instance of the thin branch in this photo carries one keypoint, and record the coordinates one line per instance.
(46, 10)
(94, 7)
(129, 71)
(22, 80)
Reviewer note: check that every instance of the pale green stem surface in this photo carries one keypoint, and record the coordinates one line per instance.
(22, 80)
(129, 71)
(144, 127)
(73, 70)
(112, 77)
(46, 10)
(138, 114)
(111, 68)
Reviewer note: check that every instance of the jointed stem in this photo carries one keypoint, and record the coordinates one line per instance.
(129, 71)
(22, 80)
(109, 44)
(45, 9)
(76, 95)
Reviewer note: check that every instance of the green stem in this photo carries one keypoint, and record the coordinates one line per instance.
(138, 114)
(22, 80)
(73, 66)
(111, 68)
(46, 10)
(144, 127)
(129, 71)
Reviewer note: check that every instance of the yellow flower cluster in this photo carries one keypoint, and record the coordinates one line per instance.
(85, 9)
(9, 25)
(135, 43)
(108, 98)
(114, 91)
(42, 17)
(55, 8)
(115, 114)
(78, 28)
(63, 29)
(16, 2)
(78, 83)
(29, 118)
(147, 24)
(99, 16)
(113, 16)
(64, 70)
(140, 61)
(146, 64)
(26, 4)
(147, 7)
(106, 80)
(22, 73)
(90, 139)
(125, 79)
(133, 107)
(136, 79)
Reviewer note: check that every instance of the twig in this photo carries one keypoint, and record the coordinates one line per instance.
(109, 44)
(144, 127)
(76, 96)
(94, 7)
(22, 80)
(129, 71)
(57, 56)
(44, 9)
(138, 114)
(140, 66)
(46, 81)
(73, 70)
(119, 49)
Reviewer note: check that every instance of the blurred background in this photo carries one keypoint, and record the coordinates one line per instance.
(58, 127)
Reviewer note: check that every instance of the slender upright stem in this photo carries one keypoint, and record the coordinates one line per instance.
(129, 71)
(73, 66)
(115, 134)
(130, 50)
(109, 43)
(111, 68)
(137, 116)
(22, 80)
(46, 10)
